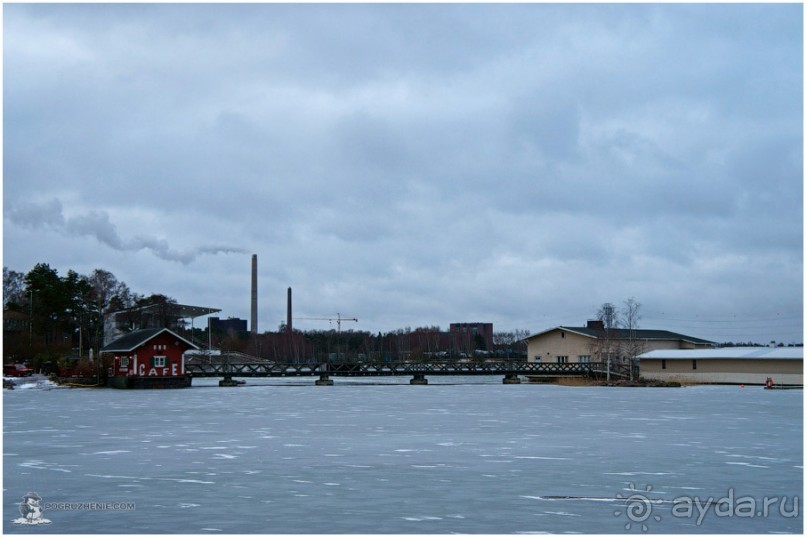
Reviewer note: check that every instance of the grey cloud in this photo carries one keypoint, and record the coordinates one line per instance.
(378, 155)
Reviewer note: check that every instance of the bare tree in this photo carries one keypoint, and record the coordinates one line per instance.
(605, 348)
(633, 347)
(521, 334)
(617, 340)
(629, 315)
(104, 287)
(510, 342)
(504, 340)
(13, 287)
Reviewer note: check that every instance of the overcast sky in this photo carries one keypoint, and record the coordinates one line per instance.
(414, 165)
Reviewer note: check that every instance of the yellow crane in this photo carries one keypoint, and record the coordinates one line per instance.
(338, 319)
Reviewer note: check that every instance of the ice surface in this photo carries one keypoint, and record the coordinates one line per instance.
(467, 455)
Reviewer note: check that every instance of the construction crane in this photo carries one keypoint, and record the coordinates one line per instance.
(338, 319)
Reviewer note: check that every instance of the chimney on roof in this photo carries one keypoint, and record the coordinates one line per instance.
(595, 324)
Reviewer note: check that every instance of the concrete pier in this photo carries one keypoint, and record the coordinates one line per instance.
(228, 382)
(419, 379)
(323, 381)
(511, 379)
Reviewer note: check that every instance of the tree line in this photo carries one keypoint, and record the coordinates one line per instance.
(64, 315)
(419, 344)
(48, 316)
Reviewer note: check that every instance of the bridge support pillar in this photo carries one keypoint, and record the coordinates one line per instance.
(323, 381)
(419, 379)
(511, 379)
(228, 382)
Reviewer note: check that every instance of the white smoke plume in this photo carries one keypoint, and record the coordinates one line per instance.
(97, 224)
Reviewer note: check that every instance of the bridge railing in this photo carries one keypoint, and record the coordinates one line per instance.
(270, 369)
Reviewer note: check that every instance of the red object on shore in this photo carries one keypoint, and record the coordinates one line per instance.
(16, 370)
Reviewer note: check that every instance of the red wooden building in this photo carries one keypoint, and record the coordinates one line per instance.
(148, 358)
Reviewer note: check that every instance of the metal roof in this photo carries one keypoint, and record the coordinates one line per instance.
(626, 334)
(788, 353)
(135, 339)
(179, 310)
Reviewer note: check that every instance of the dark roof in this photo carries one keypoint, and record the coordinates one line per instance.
(135, 339)
(640, 334)
(625, 334)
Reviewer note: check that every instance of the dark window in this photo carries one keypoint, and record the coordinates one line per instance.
(694, 364)
(663, 364)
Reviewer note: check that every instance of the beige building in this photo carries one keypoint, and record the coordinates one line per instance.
(729, 365)
(593, 343)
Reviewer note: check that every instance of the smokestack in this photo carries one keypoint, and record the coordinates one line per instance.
(288, 312)
(254, 312)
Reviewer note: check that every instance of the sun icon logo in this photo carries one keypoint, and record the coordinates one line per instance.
(639, 508)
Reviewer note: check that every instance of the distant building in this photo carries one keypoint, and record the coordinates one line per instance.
(595, 343)
(472, 336)
(17, 335)
(727, 365)
(148, 358)
(229, 324)
(15, 322)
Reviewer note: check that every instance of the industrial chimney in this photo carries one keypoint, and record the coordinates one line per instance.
(253, 327)
(288, 312)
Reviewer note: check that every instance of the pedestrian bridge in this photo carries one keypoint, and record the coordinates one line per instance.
(228, 367)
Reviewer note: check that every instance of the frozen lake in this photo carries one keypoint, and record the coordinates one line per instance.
(467, 455)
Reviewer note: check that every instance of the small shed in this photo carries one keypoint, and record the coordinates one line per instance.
(727, 365)
(148, 358)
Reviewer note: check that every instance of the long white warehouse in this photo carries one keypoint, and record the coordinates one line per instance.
(729, 365)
